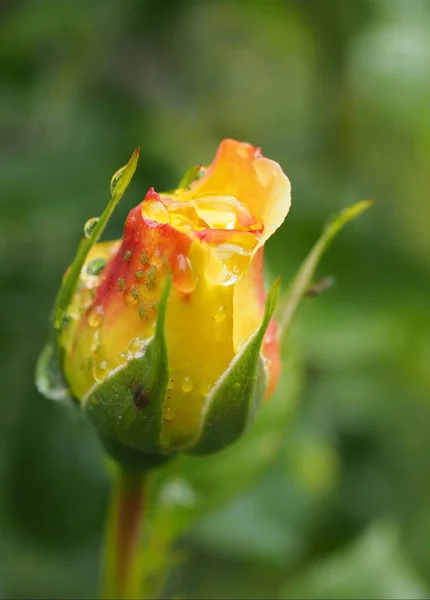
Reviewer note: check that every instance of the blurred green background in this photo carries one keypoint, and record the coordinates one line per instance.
(329, 494)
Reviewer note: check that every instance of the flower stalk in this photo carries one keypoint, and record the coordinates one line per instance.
(121, 570)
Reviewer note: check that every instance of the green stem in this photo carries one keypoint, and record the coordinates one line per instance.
(121, 570)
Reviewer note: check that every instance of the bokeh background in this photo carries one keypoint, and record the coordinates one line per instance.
(329, 494)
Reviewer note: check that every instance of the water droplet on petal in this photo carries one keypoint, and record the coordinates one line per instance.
(184, 277)
(100, 371)
(232, 264)
(220, 314)
(121, 359)
(205, 389)
(222, 212)
(168, 416)
(89, 226)
(95, 345)
(187, 384)
(155, 210)
(95, 316)
(115, 178)
(267, 363)
(136, 345)
(96, 266)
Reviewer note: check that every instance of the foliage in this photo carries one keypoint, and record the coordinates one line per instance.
(335, 470)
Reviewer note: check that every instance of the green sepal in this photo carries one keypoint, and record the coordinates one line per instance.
(49, 375)
(190, 175)
(233, 402)
(71, 278)
(128, 405)
(289, 305)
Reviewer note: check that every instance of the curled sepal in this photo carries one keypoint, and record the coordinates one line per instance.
(233, 402)
(127, 407)
(190, 175)
(290, 304)
(50, 380)
(93, 232)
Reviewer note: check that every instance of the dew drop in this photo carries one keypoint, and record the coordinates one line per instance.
(205, 389)
(234, 262)
(184, 277)
(95, 316)
(95, 345)
(89, 226)
(100, 371)
(170, 385)
(136, 345)
(220, 314)
(168, 416)
(96, 266)
(156, 210)
(187, 384)
(115, 178)
(222, 212)
(121, 359)
(267, 363)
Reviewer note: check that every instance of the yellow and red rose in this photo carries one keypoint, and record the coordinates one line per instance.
(208, 236)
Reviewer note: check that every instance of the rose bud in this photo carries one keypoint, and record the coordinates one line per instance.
(169, 345)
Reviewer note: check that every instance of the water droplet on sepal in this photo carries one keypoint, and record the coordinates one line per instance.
(136, 346)
(89, 226)
(115, 178)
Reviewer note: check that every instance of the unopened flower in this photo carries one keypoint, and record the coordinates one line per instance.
(169, 344)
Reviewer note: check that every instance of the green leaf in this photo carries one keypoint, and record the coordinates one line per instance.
(374, 566)
(118, 187)
(128, 405)
(233, 402)
(288, 306)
